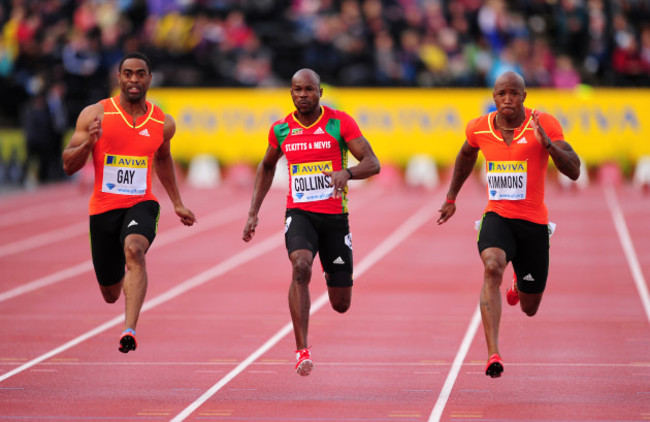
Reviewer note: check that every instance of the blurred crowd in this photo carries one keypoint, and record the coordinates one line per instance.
(56, 56)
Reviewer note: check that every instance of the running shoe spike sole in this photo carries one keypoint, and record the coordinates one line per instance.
(494, 366)
(127, 343)
(304, 368)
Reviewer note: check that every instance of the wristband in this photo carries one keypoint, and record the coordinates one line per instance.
(349, 172)
(451, 201)
(548, 145)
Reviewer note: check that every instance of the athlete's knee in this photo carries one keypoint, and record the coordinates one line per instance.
(494, 268)
(341, 306)
(529, 304)
(134, 253)
(111, 293)
(340, 298)
(301, 269)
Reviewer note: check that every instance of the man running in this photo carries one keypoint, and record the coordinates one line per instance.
(315, 140)
(516, 142)
(127, 136)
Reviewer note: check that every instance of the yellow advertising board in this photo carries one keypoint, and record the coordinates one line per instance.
(232, 124)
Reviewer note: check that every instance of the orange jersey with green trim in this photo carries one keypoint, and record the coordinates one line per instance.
(516, 173)
(123, 157)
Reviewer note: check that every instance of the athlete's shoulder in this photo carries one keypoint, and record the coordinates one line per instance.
(479, 124)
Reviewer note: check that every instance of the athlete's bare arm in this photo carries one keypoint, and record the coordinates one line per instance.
(465, 161)
(164, 165)
(368, 165)
(87, 131)
(564, 157)
(263, 181)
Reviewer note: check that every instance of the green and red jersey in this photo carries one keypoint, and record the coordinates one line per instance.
(310, 150)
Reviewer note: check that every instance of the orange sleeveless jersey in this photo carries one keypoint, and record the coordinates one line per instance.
(516, 173)
(123, 157)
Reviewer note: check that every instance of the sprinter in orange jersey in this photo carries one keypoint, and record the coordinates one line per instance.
(127, 136)
(516, 143)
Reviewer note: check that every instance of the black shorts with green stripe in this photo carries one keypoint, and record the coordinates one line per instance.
(108, 231)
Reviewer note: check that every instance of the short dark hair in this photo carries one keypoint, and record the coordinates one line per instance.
(136, 55)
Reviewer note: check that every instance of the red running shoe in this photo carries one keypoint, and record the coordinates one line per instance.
(512, 294)
(127, 341)
(305, 364)
(494, 366)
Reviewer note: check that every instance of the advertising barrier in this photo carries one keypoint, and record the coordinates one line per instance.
(232, 124)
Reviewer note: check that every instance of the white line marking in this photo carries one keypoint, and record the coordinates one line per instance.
(43, 239)
(628, 248)
(213, 220)
(234, 261)
(439, 407)
(423, 215)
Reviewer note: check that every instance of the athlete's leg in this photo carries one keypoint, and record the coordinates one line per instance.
(135, 280)
(530, 302)
(299, 299)
(494, 262)
(340, 298)
(112, 293)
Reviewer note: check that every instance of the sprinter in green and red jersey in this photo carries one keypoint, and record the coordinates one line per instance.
(315, 140)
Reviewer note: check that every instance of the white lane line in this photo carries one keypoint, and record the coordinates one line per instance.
(43, 239)
(439, 407)
(38, 212)
(628, 247)
(234, 261)
(208, 222)
(407, 228)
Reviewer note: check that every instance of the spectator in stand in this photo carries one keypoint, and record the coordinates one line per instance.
(565, 76)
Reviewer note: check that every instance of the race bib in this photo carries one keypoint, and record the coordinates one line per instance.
(124, 175)
(507, 180)
(308, 183)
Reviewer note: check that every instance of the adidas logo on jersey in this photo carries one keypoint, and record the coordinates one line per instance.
(319, 131)
(339, 261)
(522, 141)
(144, 132)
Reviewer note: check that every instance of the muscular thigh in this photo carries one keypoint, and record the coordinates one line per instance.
(336, 250)
(532, 259)
(108, 231)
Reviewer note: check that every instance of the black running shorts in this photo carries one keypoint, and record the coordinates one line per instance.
(108, 231)
(325, 234)
(526, 245)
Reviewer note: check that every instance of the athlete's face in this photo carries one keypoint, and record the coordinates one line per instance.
(509, 96)
(134, 79)
(306, 93)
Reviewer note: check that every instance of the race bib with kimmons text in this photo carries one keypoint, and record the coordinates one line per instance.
(507, 180)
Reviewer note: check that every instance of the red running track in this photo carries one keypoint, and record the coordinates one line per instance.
(215, 341)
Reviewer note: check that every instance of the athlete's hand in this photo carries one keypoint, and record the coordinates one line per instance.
(446, 211)
(339, 180)
(540, 133)
(94, 131)
(249, 229)
(187, 216)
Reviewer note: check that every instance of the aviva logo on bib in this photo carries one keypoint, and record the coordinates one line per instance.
(125, 161)
(507, 166)
(311, 168)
